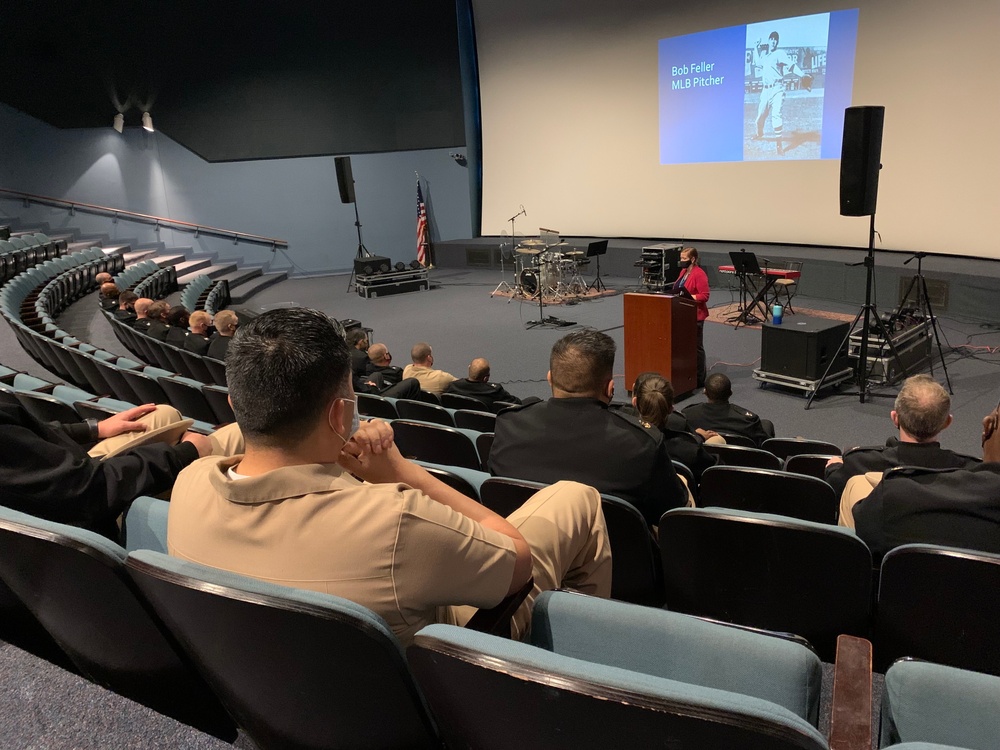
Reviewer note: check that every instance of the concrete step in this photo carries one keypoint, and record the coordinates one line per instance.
(117, 249)
(213, 272)
(240, 275)
(78, 245)
(168, 260)
(248, 289)
(134, 256)
(189, 266)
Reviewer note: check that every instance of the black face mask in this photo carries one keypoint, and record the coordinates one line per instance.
(684, 264)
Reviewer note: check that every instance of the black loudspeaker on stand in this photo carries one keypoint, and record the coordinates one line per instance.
(860, 157)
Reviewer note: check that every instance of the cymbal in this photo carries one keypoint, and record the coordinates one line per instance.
(533, 243)
(527, 251)
(576, 253)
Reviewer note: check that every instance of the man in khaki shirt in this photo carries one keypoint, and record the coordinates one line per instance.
(401, 543)
(434, 381)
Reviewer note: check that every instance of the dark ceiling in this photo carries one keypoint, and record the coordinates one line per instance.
(242, 80)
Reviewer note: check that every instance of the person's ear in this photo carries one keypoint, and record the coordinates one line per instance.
(947, 424)
(335, 417)
(895, 418)
(610, 390)
(548, 378)
(635, 402)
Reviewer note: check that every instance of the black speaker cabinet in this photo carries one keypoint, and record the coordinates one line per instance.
(860, 155)
(345, 178)
(803, 347)
(371, 265)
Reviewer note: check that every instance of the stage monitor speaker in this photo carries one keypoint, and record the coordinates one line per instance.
(345, 179)
(372, 265)
(803, 349)
(860, 155)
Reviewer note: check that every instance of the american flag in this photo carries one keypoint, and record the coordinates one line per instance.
(422, 236)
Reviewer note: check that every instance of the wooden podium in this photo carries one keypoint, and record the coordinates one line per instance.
(661, 335)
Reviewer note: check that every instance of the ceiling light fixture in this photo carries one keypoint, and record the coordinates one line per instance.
(119, 122)
(147, 122)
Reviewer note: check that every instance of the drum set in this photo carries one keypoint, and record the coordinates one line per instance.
(548, 270)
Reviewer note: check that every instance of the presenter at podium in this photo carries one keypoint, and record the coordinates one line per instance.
(694, 282)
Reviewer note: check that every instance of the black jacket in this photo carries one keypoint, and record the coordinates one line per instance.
(581, 439)
(488, 393)
(925, 455)
(725, 417)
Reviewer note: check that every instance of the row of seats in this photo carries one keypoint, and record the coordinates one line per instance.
(218, 298)
(157, 284)
(30, 297)
(779, 573)
(315, 670)
(193, 292)
(194, 367)
(420, 435)
(20, 252)
(132, 276)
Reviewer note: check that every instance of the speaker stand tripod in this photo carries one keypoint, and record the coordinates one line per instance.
(869, 315)
(362, 250)
(924, 305)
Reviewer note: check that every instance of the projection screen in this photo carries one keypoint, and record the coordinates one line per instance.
(585, 125)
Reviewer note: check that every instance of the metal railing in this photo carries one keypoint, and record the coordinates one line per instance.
(156, 221)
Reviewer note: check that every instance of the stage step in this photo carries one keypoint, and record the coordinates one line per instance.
(240, 275)
(248, 289)
(134, 256)
(192, 267)
(212, 271)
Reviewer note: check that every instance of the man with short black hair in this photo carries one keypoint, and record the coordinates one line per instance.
(126, 301)
(357, 340)
(477, 385)
(401, 543)
(721, 416)
(431, 380)
(575, 436)
(922, 411)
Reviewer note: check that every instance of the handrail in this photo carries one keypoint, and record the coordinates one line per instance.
(157, 221)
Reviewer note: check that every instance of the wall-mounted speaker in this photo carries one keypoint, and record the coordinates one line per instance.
(860, 155)
(345, 179)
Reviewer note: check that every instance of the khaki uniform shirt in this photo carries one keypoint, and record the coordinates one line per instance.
(434, 381)
(387, 547)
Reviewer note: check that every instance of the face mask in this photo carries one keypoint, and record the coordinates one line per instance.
(355, 418)
(684, 264)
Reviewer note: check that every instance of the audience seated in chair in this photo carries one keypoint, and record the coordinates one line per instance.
(378, 379)
(178, 319)
(157, 314)
(226, 323)
(921, 413)
(49, 472)
(126, 302)
(142, 319)
(290, 511)
(477, 385)
(950, 507)
(653, 398)
(109, 295)
(197, 340)
(431, 380)
(574, 435)
(718, 414)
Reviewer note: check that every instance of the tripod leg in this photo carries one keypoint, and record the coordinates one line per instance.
(833, 359)
(937, 338)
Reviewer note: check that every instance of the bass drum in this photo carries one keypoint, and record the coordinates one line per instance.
(528, 280)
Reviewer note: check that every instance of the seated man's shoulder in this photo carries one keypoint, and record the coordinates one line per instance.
(742, 412)
(863, 450)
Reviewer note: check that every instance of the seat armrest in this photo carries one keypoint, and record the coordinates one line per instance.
(496, 621)
(851, 717)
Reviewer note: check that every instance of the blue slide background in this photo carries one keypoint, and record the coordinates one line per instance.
(839, 79)
(702, 124)
(705, 124)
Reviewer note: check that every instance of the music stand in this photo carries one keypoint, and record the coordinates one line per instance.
(745, 264)
(596, 250)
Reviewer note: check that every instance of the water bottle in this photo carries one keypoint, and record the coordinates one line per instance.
(776, 314)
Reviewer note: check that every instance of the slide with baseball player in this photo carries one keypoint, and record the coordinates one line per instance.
(769, 90)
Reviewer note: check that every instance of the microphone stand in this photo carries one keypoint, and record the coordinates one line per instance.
(924, 304)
